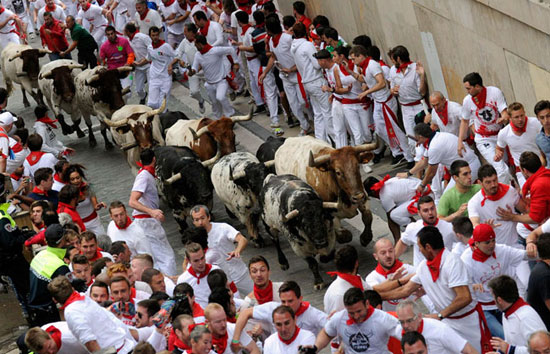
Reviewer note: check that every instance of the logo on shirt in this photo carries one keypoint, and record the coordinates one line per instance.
(359, 342)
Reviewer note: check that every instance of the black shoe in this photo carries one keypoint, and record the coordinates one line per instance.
(410, 164)
(260, 109)
(246, 93)
(397, 160)
(378, 157)
(143, 100)
(292, 122)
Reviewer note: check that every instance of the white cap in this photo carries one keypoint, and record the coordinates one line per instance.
(7, 118)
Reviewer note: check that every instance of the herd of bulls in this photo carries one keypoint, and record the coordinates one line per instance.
(300, 188)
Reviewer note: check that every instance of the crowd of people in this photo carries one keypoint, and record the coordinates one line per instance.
(473, 202)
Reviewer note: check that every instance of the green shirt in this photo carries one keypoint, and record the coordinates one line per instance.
(83, 37)
(452, 199)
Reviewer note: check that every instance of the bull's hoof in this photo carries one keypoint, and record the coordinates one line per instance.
(66, 129)
(93, 143)
(327, 258)
(319, 286)
(109, 146)
(26, 104)
(80, 133)
(258, 242)
(343, 236)
(366, 238)
(284, 266)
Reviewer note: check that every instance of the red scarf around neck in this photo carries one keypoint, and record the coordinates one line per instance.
(39, 191)
(289, 341)
(479, 256)
(197, 310)
(304, 305)
(158, 44)
(57, 178)
(86, 7)
(2, 9)
(380, 270)
(148, 168)
(412, 207)
(276, 39)
(169, 3)
(434, 265)
(403, 67)
(15, 177)
(354, 280)
(379, 185)
(97, 256)
(204, 30)
(75, 296)
(444, 114)
(364, 65)
(219, 343)
(419, 330)
(382, 63)
(47, 120)
(515, 306)
(55, 334)
(246, 8)
(370, 311)
(50, 9)
(34, 157)
(501, 191)
(128, 223)
(142, 17)
(244, 29)
(202, 275)
(479, 99)
(519, 130)
(205, 48)
(264, 295)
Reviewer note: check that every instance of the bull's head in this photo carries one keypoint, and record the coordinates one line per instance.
(30, 58)
(63, 81)
(252, 177)
(221, 131)
(344, 164)
(207, 164)
(107, 86)
(141, 126)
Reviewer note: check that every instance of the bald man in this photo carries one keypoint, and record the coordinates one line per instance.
(539, 342)
(445, 114)
(386, 268)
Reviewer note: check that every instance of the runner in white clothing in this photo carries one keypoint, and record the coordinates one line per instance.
(139, 43)
(53, 337)
(161, 56)
(446, 115)
(170, 11)
(144, 200)
(122, 228)
(486, 107)
(8, 29)
(289, 338)
(146, 18)
(37, 158)
(94, 20)
(57, 12)
(44, 126)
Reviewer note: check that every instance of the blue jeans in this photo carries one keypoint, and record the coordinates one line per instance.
(494, 321)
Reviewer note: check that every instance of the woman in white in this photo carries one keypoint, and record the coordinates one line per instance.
(87, 205)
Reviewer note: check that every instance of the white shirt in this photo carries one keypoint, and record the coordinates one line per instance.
(370, 336)
(452, 273)
(50, 142)
(274, 345)
(244, 339)
(93, 16)
(506, 261)
(139, 44)
(488, 115)
(505, 233)
(186, 51)
(442, 149)
(69, 344)
(47, 160)
(152, 18)
(373, 69)
(58, 14)
(409, 84)
(312, 319)
(334, 296)
(19, 157)
(397, 191)
(246, 39)
(520, 325)
(284, 56)
(307, 65)
(145, 183)
(133, 235)
(221, 238)
(374, 278)
(212, 64)
(160, 58)
(57, 185)
(440, 338)
(201, 6)
(214, 37)
(174, 8)
(459, 248)
(454, 115)
(200, 286)
(520, 143)
(408, 237)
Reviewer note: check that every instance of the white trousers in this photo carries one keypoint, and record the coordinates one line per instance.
(195, 82)
(99, 35)
(6, 38)
(158, 90)
(253, 70)
(95, 226)
(397, 147)
(400, 215)
(139, 81)
(340, 134)
(70, 10)
(486, 147)
(271, 94)
(468, 328)
(120, 22)
(163, 254)
(218, 96)
(295, 100)
(321, 107)
(354, 115)
(408, 113)
(126, 82)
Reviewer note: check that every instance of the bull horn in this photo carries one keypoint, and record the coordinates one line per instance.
(174, 178)
(44, 51)
(75, 66)
(367, 147)
(244, 118)
(46, 75)
(125, 91)
(269, 164)
(159, 110)
(124, 68)
(129, 146)
(236, 176)
(213, 160)
(92, 79)
(317, 161)
(18, 55)
(291, 214)
(330, 205)
(197, 134)
(117, 124)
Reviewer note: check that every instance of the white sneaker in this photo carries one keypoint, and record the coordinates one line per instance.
(366, 168)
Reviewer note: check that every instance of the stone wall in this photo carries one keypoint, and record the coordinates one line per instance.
(506, 41)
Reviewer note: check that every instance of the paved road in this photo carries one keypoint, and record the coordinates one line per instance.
(111, 178)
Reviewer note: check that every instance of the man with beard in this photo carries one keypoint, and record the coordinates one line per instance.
(264, 289)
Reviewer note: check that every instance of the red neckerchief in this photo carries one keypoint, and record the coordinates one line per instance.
(159, 43)
(403, 67)
(97, 256)
(501, 191)
(343, 69)
(54, 332)
(204, 30)
(219, 343)
(57, 178)
(382, 63)
(246, 8)
(354, 280)
(370, 311)
(260, 25)
(479, 256)
(244, 29)
(434, 265)
(61, 206)
(148, 168)
(2, 9)
(75, 296)
(419, 330)
(479, 99)
(379, 185)
(132, 35)
(202, 275)
(205, 48)
(197, 310)
(264, 295)
(304, 305)
(412, 208)
(289, 341)
(364, 65)
(232, 319)
(39, 191)
(86, 7)
(519, 130)
(133, 293)
(515, 306)
(15, 177)
(435, 225)
(175, 342)
(444, 114)
(40, 226)
(169, 2)
(128, 223)
(50, 9)
(142, 17)
(47, 120)
(34, 157)
(527, 186)
(380, 270)
(276, 39)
